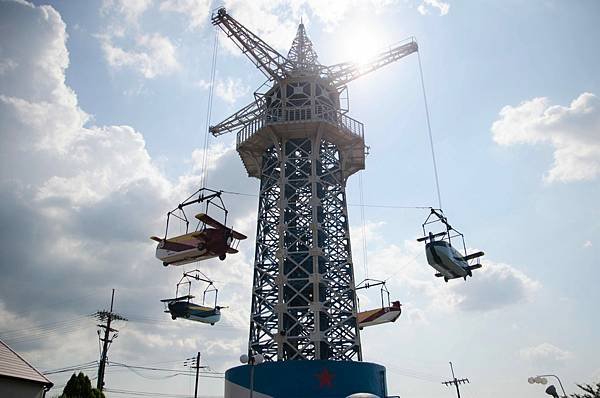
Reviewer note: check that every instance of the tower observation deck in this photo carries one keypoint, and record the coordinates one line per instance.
(296, 137)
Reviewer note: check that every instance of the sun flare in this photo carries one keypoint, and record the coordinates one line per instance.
(361, 44)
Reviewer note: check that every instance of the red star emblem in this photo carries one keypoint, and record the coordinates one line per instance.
(325, 378)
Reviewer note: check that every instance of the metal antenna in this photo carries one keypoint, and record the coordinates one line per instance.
(456, 382)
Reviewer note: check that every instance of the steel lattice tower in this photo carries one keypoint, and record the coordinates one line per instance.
(298, 140)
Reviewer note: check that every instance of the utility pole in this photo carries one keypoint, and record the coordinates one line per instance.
(194, 363)
(455, 381)
(107, 317)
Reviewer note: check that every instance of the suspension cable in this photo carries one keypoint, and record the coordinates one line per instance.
(204, 169)
(435, 170)
(364, 229)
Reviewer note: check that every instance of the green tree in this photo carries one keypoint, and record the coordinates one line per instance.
(590, 391)
(80, 386)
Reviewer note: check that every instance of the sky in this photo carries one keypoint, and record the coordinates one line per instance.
(103, 119)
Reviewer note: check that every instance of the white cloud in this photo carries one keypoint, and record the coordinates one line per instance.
(426, 5)
(7, 65)
(414, 315)
(494, 286)
(214, 153)
(273, 21)
(573, 131)
(154, 55)
(276, 21)
(89, 196)
(127, 46)
(130, 9)
(230, 90)
(202, 84)
(196, 11)
(587, 244)
(545, 352)
(330, 12)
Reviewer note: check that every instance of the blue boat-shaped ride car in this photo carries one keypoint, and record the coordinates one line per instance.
(182, 307)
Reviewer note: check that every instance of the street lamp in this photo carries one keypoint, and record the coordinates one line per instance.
(551, 390)
(252, 360)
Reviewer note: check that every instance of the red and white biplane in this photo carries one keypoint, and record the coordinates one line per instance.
(212, 240)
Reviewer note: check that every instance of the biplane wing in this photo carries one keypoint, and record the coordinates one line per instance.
(156, 239)
(237, 235)
(231, 250)
(431, 236)
(199, 234)
(208, 220)
(472, 256)
(188, 297)
(476, 266)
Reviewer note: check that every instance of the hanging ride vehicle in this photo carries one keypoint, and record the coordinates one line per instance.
(183, 307)
(441, 255)
(209, 239)
(388, 312)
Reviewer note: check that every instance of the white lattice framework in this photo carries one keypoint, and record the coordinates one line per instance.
(297, 141)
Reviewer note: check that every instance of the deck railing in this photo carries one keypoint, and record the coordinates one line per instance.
(300, 115)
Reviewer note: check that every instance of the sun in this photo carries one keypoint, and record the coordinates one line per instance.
(361, 43)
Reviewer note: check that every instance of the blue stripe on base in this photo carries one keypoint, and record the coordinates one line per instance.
(302, 379)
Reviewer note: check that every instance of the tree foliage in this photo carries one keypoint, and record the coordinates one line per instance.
(590, 391)
(80, 386)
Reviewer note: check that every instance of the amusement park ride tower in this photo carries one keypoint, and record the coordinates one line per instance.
(297, 138)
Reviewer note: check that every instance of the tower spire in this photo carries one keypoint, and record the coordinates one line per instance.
(302, 56)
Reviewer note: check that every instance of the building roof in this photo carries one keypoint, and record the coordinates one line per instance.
(12, 365)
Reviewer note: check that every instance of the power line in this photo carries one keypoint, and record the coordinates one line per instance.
(42, 326)
(150, 394)
(83, 366)
(144, 393)
(159, 369)
(349, 204)
(35, 332)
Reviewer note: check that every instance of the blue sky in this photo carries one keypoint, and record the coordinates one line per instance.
(102, 122)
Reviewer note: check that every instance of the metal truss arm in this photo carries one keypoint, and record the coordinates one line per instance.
(341, 74)
(238, 120)
(268, 60)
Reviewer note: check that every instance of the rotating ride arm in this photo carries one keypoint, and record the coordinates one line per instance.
(238, 120)
(341, 74)
(268, 60)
